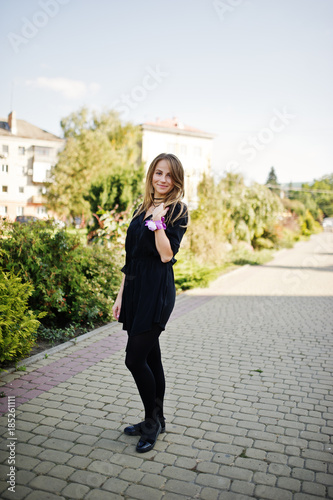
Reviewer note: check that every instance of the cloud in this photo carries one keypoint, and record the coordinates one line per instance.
(69, 89)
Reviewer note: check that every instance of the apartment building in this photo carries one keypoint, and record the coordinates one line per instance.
(27, 154)
(192, 146)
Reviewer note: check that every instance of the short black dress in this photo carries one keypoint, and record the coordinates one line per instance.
(149, 290)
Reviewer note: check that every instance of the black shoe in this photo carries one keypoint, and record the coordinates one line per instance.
(136, 429)
(149, 437)
(133, 430)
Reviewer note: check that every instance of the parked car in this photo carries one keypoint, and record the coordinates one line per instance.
(24, 219)
(328, 224)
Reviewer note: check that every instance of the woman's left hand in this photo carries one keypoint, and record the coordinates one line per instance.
(159, 212)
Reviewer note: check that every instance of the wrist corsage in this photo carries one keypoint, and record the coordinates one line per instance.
(155, 224)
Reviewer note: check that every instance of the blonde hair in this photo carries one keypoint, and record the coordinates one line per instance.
(176, 194)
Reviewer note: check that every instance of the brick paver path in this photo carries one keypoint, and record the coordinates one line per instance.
(249, 404)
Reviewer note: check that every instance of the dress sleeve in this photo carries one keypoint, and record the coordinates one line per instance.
(176, 232)
(124, 268)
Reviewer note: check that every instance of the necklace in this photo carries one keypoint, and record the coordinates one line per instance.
(158, 201)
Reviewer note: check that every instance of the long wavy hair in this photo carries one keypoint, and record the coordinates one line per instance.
(174, 197)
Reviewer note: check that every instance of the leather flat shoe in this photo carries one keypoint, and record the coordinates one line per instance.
(136, 429)
(133, 430)
(148, 440)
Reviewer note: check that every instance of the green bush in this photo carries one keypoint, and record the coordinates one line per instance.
(189, 273)
(18, 325)
(259, 243)
(73, 284)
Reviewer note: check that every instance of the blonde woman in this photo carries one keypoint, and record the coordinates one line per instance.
(147, 294)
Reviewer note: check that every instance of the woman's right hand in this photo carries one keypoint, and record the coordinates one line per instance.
(116, 308)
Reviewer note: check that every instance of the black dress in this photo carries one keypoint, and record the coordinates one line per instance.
(149, 290)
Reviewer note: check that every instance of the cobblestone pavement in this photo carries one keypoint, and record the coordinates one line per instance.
(249, 409)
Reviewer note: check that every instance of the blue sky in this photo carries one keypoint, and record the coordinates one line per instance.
(256, 73)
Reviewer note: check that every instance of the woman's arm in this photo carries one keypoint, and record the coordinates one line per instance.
(163, 245)
(161, 240)
(117, 304)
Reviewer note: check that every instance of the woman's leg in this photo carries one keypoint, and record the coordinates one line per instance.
(137, 353)
(154, 361)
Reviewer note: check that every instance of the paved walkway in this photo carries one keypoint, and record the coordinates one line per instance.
(249, 410)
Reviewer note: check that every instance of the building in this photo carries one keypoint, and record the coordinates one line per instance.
(27, 154)
(192, 146)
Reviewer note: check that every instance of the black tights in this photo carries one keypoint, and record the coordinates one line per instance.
(143, 359)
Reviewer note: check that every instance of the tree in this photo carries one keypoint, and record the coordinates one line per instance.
(272, 181)
(98, 147)
(324, 200)
(319, 201)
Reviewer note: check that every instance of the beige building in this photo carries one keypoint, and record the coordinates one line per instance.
(27, 154)
(192, 146)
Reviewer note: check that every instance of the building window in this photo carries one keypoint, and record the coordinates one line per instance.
(197, 151)
(183, 150)
(21, 150)
(5, 149)
(20, 170)
(19, 210)
(41, 211)
(5, 189)
(3, 210)
(21, 189)
(4, 168)
(42, 151)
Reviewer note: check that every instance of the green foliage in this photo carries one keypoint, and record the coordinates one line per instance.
(294, 206)
(117, 190)
(309, 225)
(100, 156)
(320, 204)
(263, 243)
(73, 284)
(189, 273)
(56, 335)
(112, 230)
(18, 325)
(229, 212)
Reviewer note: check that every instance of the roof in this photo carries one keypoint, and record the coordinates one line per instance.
(26, 130)
(174, 125)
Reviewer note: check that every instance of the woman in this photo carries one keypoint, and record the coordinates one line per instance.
(147, 294)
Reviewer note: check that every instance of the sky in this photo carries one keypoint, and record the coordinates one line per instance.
(257, 74)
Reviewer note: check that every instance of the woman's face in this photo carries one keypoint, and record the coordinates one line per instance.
(162, 180)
